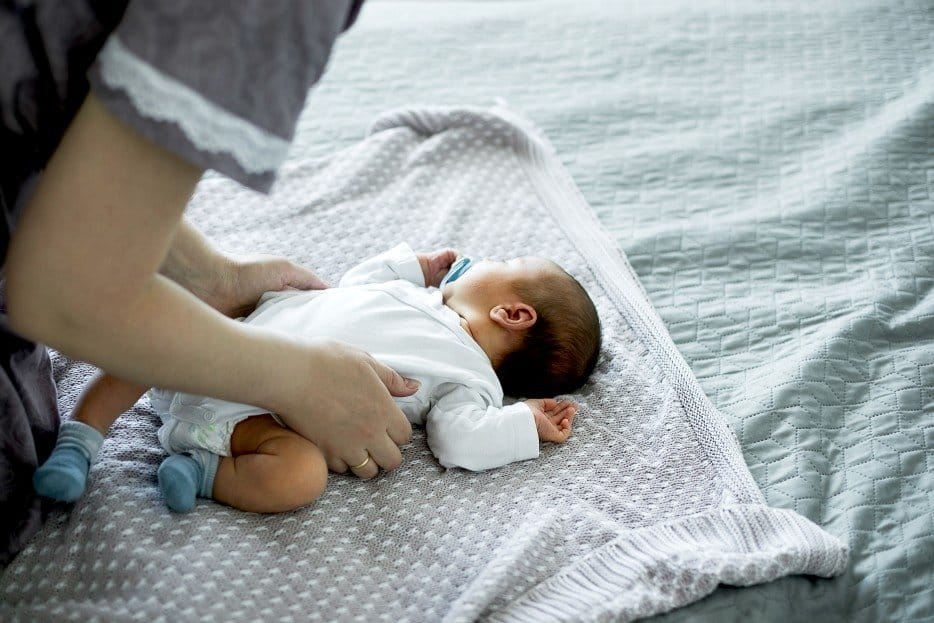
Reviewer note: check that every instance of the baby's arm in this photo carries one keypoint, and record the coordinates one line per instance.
(401, 262)
(435, 265)
(553, 418)
(464, 431)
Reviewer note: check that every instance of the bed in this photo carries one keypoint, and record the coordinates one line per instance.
(768, 170)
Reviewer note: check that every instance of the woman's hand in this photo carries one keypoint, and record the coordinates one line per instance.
(342, 401)
(230, 284)
(90, 277)
(245, 278)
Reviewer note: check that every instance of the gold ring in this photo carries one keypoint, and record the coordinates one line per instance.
(361, 464)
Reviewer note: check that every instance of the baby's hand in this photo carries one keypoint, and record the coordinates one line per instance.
(435, 265)
(553, 418)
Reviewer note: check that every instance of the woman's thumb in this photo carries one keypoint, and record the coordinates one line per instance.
(301, 278)
(397, 384)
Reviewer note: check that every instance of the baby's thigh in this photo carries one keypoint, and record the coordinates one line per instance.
(288, 469)
(263, 434)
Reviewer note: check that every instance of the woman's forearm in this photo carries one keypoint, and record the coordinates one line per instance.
(82, 268)
(196, 264)
(82, 275)
(164, 336)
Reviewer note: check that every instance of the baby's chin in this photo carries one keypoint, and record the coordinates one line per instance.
(452, 296)
(447, 291)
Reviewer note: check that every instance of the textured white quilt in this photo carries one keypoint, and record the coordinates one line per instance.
(768, 168)
(648, 506)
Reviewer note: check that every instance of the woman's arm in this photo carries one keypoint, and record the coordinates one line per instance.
(230, 284)
(83, 276)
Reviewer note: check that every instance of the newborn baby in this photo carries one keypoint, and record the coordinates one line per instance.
(466, 332)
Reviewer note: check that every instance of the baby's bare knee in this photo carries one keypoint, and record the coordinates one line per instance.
(305, 479)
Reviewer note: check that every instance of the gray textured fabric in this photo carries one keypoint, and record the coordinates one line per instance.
(647, 507)
(766, 167)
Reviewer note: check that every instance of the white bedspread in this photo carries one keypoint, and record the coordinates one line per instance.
(648, 507)
(767, 168)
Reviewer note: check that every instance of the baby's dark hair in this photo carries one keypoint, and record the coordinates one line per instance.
(560, 350)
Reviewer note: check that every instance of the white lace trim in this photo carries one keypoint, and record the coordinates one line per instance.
(209, 127)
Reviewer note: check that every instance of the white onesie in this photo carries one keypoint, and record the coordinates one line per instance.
(383, 307)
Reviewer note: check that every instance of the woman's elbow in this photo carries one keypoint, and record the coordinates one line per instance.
(39, 309)
(28, 312)
(23, 309)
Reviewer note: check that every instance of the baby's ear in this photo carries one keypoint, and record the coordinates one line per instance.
(514, 316)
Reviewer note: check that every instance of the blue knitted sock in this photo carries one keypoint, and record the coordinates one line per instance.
(179, 477)
(64, 475)
(182, 478)
(208, 462)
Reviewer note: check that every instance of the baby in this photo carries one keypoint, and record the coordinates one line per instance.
(468, 332)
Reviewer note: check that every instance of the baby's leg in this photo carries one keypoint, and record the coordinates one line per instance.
(64, 474)
(273, 469)
(105, 399)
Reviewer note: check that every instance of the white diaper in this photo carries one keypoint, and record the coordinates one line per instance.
(196, 422)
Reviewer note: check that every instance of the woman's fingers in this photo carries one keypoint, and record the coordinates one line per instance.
(365, 469)
(336, 465)
(382, 454)
(394, 382)
(398, 427)
(301, 278)
(346, 409)
(386, 453)
(399, 430)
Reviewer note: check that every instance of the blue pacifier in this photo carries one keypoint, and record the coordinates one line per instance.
(458, 268)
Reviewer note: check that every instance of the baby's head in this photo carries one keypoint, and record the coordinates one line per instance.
(534, 320)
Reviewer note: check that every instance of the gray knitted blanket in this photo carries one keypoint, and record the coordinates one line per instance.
(646, 508)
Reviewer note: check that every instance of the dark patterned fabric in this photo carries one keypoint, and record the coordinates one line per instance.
(255, 60)
(28, 427)
(45, 51)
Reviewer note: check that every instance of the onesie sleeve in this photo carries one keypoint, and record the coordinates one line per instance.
(220, 84)
(464, 431)
(400, 262)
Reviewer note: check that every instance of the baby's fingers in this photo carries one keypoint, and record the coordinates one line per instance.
(443, 258)
(564, 410)
(558, 406)
(548, 405)
(563, 431)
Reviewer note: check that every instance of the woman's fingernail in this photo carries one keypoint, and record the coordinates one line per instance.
(412, 384)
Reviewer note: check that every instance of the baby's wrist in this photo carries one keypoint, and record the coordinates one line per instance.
(537, 418)
(424, 265)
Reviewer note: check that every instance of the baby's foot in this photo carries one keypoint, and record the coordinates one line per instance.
(64, 475)
(179, 479)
